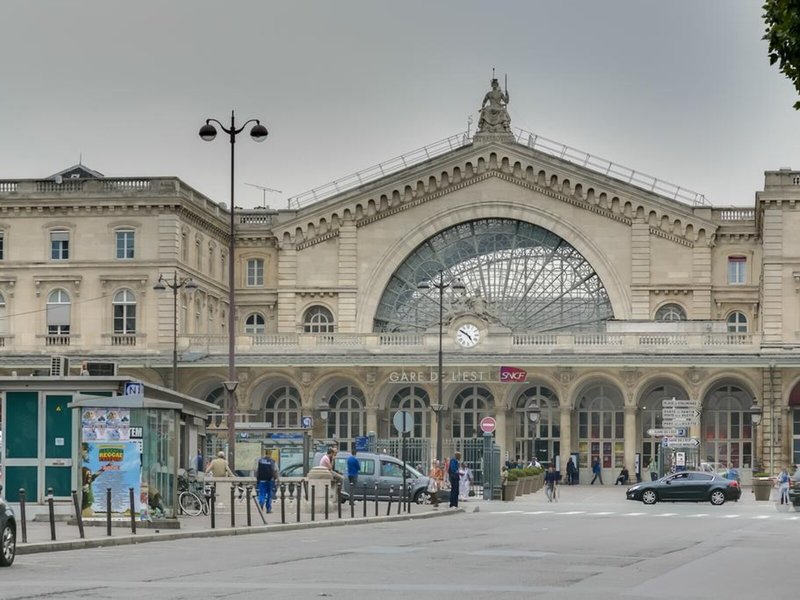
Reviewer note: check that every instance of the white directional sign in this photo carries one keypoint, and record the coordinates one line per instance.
(679, 422)
(680, 403)
(677, 432)
(681, 442)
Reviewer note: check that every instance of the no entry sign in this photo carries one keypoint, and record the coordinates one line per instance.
(488, 424)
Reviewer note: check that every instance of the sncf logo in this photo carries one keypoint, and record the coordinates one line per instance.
(512, 374)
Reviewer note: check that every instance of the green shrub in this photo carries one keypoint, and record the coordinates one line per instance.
(529, 471)
(512, 475)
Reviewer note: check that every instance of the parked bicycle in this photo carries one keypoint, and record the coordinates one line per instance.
(193, 496)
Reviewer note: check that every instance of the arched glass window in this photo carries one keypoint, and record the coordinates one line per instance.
(545, 433)
(3, 322)
(219, 397)
(518, 274)
(124, 304)
(254, 324)
(671, 312)
(727, 429)
(415, 401)
(282, 407)
(469, 407)
(58, 313)
(651, 406)
(601, 426)
(318, 319)
(346, 415)
(737, 322)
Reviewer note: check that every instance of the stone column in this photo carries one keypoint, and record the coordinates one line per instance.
(640, 269)
(501, 433)
(701, 282)
(287, 284)
(566, 436)
(348, 276)
(772, 274)
(372, 420)
(630, 437)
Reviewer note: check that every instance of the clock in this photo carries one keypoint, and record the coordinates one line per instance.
(468, 335)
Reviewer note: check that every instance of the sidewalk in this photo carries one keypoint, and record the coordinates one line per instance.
(68, 534)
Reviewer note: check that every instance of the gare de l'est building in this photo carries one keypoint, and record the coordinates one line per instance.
(609, 289)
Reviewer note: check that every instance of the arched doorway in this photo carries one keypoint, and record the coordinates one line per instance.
(545, 433)
(727, 428)
(651, 417)
(601, 427)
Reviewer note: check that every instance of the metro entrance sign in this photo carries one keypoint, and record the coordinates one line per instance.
(488, 424)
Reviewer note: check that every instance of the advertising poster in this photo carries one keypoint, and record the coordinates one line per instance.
(105, 424)
(116, 466)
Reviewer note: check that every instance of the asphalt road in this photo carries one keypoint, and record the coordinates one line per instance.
(592, 544)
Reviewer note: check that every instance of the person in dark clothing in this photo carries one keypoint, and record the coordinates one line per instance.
(353, 469)
(551, 479)
(598, 471)
(452, 474)
(623, 477)
(572, 472)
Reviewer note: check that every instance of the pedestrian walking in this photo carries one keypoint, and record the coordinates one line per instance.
(435, 477)
(452, 474)
(652, 467)
(266, 477)
(597, 470)
(572, 472)
(353, 469)
(551, 482)
(464, 482)
(783, 486)
(198, 461)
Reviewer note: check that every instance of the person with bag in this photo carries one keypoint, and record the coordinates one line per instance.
(452, 474)
(266, 476)
(783, 486)
(434, 480)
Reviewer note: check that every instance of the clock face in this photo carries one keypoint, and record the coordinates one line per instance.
(468, 335)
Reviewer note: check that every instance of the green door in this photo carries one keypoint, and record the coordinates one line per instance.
(58, 445)
(21, 412)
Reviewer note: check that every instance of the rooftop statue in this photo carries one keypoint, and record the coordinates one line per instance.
(494, 116)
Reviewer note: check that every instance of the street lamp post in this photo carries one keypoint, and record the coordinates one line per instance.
(176, 284)
(755, 419)
(259, 133)
(441, 284)
(533, 416)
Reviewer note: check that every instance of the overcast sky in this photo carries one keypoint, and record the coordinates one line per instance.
(680, 90)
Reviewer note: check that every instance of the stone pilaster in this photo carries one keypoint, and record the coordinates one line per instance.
(701, 282)
(348, 276)
(566, 436)
(640, 270)
(771, 420)
(772, 269)
(287, 283)
(630, 436)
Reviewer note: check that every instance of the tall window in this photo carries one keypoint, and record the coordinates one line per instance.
(469, 407)
(124, 304)
(59, 244)
(415, 401)
(125, 239)
(58, 313)
(212, 260)
(318, 319)
(2, 246)
(3, 329)
(545, 433)
(737, 322)
(727, 429)
(255, 272)
(737, 270)
(184, 247)
(198, 254)
(601, 426)
(346, 415)
(254, 324)
(219, 397)
(671, 312)
(282, 407)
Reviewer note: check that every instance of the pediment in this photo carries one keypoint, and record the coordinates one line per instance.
(515, 163)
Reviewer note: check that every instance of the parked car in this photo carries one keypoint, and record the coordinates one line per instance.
(687, 486)
(295, 470)
(8, 533)
(385, 471)
(794, 490)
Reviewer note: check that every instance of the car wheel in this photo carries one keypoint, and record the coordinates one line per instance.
(717, 497)
(649, 497)
(8, 546)
(422, 497)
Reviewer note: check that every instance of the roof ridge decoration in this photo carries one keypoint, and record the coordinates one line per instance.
(494, 123)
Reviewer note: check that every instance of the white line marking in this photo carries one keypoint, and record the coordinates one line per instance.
(539, 512)
(574, 512)
(601, 513)
(729, 516)
(632, 514)
(666, 515)
(507, 512)
(761, 517)
(793, 518)
(698, 515)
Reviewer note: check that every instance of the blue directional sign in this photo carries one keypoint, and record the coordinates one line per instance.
(307, 422)
(362, 443)
(133, 388)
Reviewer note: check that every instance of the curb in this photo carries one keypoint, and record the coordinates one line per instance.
(40, 547)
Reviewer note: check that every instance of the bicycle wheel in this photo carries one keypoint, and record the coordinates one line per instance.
(190, 504)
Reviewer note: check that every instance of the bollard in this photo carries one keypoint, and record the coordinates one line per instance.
(401, 501)
(22, 516)
(233, 505)
(52, 514)
(364, 500)
(108, 511)
(212, 501)
(283, 503)
(339, 498)
(305, 487)
(313, 501)
(326, 501)
(133, 511)
(389, 505)
(249, 491)
(298, 492)
(376, 499)
(77, 506)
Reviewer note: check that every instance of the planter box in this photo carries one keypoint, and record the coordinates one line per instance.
(762, 487)
(510, 491)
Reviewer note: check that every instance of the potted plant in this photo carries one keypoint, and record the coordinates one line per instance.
(762, 485)
(510, 486)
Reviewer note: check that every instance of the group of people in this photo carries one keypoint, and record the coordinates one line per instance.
(453, 473)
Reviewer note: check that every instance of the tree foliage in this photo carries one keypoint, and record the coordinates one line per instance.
(782, 18)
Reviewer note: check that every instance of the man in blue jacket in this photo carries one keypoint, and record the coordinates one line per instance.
(452, 474)
(353, 469)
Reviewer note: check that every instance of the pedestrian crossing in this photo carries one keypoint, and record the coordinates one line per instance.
(666, 515)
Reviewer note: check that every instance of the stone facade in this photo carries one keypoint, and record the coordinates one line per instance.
(310, 280)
